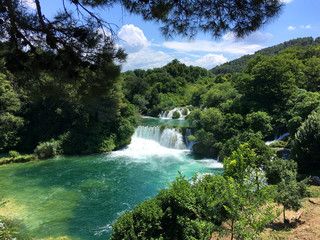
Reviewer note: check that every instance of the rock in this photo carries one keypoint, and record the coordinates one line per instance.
(316, 180)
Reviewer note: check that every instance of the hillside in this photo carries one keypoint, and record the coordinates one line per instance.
(239, 64)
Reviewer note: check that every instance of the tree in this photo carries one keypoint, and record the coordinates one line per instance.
(177, 17)
(306, 144)
(270, 82)
(259, 122)
(10, 109)
(290, 192)
(246, 193)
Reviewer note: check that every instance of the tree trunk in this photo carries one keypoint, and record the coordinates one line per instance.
(232, 229)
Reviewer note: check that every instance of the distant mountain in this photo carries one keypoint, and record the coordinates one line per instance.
(239, 64)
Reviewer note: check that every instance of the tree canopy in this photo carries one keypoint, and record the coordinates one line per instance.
(78, 28)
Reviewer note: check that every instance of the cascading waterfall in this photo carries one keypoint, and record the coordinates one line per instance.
(168, 137)
(278, 138)
(169, 114)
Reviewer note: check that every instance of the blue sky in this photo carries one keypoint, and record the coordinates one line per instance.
(147, 48)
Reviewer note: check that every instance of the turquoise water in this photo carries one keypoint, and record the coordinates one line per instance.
(81, 196)
(149, 121)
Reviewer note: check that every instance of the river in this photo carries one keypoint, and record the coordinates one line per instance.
(81, 196)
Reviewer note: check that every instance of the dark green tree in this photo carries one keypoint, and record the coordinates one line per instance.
(306, 144)
(11, 121)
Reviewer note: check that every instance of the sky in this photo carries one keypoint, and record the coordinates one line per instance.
(147, 48)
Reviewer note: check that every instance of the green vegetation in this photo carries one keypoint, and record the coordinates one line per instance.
(239, 64)
(61, 92)
(195, 210)
(232, 117)
(275, 93)
(306, 144)
(15, 157)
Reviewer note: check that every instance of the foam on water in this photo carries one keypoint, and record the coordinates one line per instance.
(140, 148)
(211, 163)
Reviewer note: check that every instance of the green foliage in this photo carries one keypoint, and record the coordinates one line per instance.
(175, 115)
(18, 159)
(278, 169)
(10, 107)
(239, 64)
(219, 94)
(185, 112)
(290, 192)
(238, 164)
(162, 89)
(14, 154)
(195, 210)
(306, 144)
(259, 122)
(48, 149)
(301, 108)
(247, 212)
(144, 222)
(271, 82)
(180, 212)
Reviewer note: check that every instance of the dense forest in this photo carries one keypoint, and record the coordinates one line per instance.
(232, 116)
(74, 110)
(272, 95)
(239, 64)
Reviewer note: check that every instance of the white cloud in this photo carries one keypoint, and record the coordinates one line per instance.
(146, 58)
(229, 44)
(29, 3)
(208, 61)
(305, 27)
(291, 28)
(132, 38)
(286, 1)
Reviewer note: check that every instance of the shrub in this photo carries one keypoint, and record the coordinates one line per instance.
(185, 112)
(14, 154)
(25, 158)
(20, 158)
(48, 149)
(175, 115)
(306, 144)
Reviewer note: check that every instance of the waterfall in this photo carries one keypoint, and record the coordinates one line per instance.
(168, 137)
(169, 114)
(278, 139)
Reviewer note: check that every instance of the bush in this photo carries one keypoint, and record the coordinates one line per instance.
(259, 121)
(175, 115)
(278, 144)
(180, 212)
(19, 159)
(14, 154)
(306, 144)
(185, 112)
(48, 149)
(25, 158)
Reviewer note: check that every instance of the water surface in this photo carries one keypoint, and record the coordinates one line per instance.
(81, 196)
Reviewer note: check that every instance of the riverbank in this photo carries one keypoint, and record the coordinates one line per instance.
(18, 159)
(304, 224)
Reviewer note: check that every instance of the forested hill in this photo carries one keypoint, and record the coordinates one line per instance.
(239, 64)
